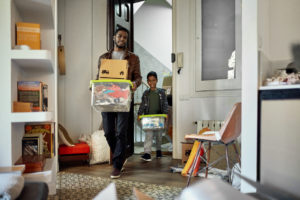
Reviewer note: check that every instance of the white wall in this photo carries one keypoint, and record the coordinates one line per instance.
(5, 85)
(284, 28)
(278, 29)
(156, 35)
(249, 92)
(190, 106)
(83, 28)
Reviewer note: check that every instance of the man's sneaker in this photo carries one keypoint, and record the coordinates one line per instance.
(115, 173)
(158, 154)
(146, 157)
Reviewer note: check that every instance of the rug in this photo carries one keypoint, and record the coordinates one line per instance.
(77, 186)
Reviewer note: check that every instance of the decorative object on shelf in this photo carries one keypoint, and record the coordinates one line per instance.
(64, 136)
(22, 47)
(61, 57)
(22, 106)
(28, 34)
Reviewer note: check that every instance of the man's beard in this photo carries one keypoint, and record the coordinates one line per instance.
(119, 46)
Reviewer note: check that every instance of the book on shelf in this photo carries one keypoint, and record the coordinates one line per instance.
(35, 92)
(32, 144)
(33, 163)
(47, 131)
(28, 34)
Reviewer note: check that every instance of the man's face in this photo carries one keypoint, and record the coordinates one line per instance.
(120, 39)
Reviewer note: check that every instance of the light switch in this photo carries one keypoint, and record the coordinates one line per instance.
(180, 60)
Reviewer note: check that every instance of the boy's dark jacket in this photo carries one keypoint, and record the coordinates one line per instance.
(144, 107)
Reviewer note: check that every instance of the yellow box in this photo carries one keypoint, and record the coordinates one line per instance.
(113, 69)
(28, 34)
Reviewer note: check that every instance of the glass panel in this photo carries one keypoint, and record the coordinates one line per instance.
(218, 39)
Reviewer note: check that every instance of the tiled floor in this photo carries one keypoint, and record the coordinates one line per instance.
(155, 172)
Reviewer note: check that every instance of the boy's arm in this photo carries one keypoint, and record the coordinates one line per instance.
(165, 108)
(142, 106)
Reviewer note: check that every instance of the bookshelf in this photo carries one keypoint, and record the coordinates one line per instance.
(27, 65)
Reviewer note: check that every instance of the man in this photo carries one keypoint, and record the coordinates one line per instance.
(115, 124)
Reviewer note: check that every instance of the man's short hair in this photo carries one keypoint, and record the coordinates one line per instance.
(121, 29)
(152, 73)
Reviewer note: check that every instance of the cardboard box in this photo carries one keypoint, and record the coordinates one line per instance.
(22, 107)
(28, 34)
(186, 150)
(113, 69)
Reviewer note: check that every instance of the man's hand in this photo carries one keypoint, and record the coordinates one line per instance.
(134, 86)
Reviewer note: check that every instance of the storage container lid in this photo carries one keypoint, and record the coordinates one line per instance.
(154, 115)
(111, 81)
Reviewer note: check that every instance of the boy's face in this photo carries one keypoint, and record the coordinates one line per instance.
(152, 81)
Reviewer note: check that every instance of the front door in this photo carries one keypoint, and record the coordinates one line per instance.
(120, 14)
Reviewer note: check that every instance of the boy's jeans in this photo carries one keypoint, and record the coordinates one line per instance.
(149, 139)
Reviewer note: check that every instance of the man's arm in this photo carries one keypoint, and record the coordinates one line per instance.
(136, 73)
(99, 64)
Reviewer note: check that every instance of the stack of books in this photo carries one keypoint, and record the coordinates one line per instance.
(33, 92)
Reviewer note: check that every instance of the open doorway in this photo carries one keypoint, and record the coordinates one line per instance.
(153, 45)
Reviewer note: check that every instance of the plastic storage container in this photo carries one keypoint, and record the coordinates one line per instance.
(111, 95)
(153, 122)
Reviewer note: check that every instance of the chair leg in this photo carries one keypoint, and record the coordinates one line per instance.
(207, 159)
(194, 164)
(237, 153)
(227, 162)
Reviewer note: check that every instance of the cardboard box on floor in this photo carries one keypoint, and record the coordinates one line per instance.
(186, 150)
(113, 69)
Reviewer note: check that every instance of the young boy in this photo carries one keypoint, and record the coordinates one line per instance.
(154, 101)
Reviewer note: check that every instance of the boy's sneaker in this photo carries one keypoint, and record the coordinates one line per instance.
(158, 154)
(115, 173)
(146, 157)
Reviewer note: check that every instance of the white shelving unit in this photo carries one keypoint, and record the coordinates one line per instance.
(27, 65)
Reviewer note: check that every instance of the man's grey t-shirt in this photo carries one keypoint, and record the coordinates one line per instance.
(118, 55)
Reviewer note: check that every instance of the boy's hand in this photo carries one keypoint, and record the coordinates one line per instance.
(138, 118)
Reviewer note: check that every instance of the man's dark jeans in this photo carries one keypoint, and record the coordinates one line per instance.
(115, 126)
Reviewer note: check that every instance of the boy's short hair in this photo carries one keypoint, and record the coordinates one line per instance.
(121, 29)
(152, 73)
